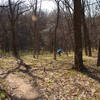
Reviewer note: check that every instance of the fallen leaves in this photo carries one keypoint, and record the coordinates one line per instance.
(58, 82)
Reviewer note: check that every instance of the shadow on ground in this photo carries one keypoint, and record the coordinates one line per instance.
(89, 71)
(92, 73)
(9, 97)
(18, 68)
(37, 98)
(26, 71)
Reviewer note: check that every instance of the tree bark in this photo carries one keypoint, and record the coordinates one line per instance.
(36, 40)
(87, 41)
(57, 21)
(13, 24)
(98, 60)
(90, 48)
(14, 49)
(78, 57)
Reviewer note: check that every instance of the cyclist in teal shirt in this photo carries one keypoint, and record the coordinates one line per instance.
(59, 51)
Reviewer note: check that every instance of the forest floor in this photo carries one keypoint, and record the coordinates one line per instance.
(47, 79)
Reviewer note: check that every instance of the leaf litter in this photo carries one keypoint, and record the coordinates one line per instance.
(59, 82)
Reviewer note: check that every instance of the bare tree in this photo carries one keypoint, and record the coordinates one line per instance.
(36, 11)
(78, 35)
(14, 11)
(57, 22)
(86, 32)
(35, 31)
(13, 26)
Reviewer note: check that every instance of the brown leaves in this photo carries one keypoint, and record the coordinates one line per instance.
(58, 82)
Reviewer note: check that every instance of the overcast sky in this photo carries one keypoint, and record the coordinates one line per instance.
(47, 5)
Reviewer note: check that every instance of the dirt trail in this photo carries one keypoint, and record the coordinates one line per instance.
(20, 89)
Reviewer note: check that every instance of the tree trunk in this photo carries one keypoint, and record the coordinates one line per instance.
(55, 48)
(14, 49)
(98, 60)
(90, 49)
(84, 28)
(36, 40)
(13, 24)
(85, 37)
(78, 36)
(86, 32)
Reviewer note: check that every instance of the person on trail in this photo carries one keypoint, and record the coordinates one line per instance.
(59, 51)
